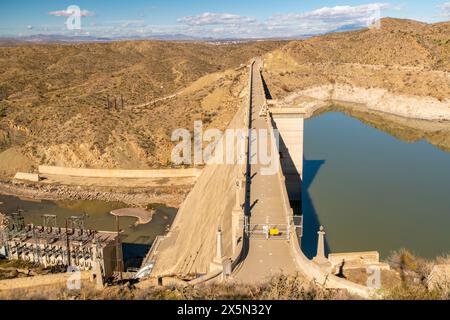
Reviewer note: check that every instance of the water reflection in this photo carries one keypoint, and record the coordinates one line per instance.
(382, 184)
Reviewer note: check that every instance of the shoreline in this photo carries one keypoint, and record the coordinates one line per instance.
(373, 99)
(314, 100)
(136, 198)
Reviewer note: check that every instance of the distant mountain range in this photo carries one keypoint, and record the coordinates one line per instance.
(348, 27)
(54, 38)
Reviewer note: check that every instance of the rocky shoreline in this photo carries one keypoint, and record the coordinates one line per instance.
(140, 198)
(373, 99)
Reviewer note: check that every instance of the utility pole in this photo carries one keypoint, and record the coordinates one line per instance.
(118, 250)
(68, 245)
(36, 245)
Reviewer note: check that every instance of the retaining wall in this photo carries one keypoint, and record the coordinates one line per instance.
(33, 177)
(118, 173)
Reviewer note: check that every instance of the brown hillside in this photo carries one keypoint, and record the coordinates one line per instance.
(398, 42)
(53, 106)
(404, 56)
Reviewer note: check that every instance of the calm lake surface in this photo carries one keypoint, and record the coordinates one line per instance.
(373, 191)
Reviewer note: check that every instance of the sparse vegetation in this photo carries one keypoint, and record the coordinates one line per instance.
(2, 112)
(19, 269)
(415, 275)
(404, 56)
(279, 288)
(56, 98)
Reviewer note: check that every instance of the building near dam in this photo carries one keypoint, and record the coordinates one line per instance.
(50, 245)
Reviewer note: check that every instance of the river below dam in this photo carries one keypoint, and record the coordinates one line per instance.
(98, 216)
(375, 184)
(136, 238)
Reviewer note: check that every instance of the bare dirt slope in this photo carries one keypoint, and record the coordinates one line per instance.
(53, 107)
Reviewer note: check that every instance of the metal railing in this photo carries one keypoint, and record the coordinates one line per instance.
(263, 231)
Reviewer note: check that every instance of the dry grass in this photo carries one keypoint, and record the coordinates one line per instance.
(279, 288)
(415, 292)
(414, 274)
(404, 56)
(21, 269)
(413, 286)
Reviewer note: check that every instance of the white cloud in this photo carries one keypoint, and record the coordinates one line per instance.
(445, 8)
(340, 13)
(331, 18)
(30, 27)
(328, 19)
(209, 18)
(68, 13)
(322, 20)
(232, 25)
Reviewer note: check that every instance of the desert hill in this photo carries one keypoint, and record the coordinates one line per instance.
(404, 56)
(53, 107)
(398, 42)
(137, 69)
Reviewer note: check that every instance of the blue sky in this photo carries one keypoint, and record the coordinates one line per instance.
(215, 18)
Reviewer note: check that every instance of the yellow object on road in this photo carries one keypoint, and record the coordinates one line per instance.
(274, 232)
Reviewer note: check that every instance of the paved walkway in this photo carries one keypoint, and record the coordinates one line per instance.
(265, 257)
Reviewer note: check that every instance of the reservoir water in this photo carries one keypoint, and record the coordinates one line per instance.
(374, 189)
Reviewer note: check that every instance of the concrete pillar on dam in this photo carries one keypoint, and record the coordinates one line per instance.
(290, 124)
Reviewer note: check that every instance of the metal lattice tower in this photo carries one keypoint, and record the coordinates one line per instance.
(17, 222)
(49, 221)
(76, 222)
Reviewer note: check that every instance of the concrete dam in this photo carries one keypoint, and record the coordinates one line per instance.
(237, 223)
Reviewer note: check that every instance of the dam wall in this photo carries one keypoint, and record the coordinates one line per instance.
(190, 245)
(309, 268)
(290, 124)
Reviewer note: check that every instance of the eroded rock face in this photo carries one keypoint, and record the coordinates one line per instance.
(374, 99)
(400, 120)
